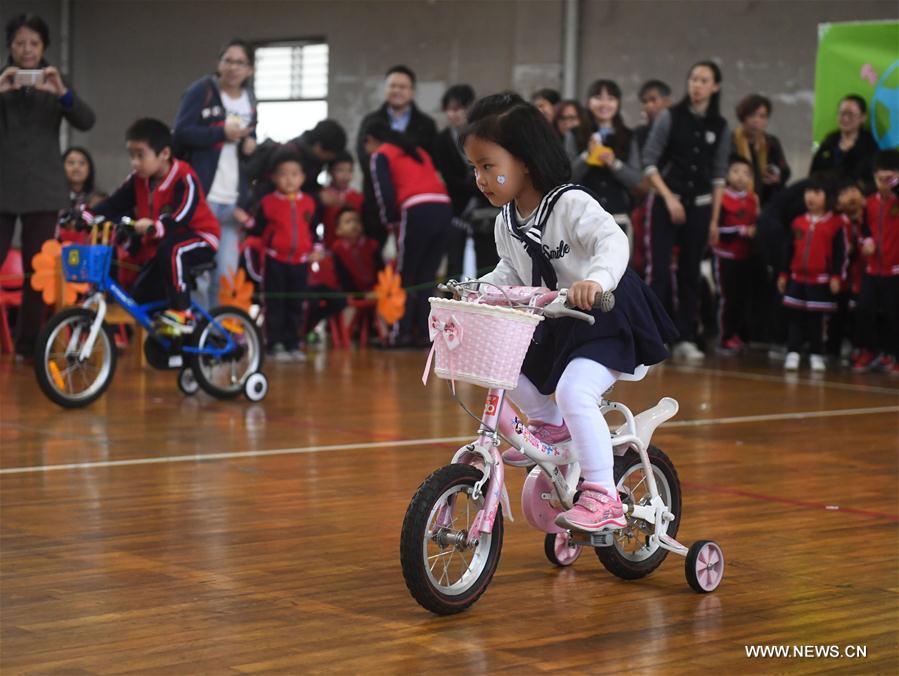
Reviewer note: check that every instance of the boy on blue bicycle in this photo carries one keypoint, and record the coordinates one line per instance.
(177, 228)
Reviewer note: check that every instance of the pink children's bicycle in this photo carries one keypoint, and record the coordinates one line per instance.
(453, 530)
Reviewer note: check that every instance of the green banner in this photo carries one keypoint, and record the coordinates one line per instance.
(858, 58)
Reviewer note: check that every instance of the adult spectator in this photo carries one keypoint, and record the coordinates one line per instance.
(546, 101)
(215, 130)
(762, 150)
(571, 116)
(401, 115)
(850, 150)
(655, 96)
(33, 185)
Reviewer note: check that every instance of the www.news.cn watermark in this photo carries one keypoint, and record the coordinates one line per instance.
(807, 651)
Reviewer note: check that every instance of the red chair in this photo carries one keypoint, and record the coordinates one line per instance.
(12, 279)
(365, 315)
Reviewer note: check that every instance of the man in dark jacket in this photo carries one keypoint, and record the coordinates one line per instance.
(400, 111)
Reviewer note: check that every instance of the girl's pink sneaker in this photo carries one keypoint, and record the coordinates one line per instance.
(548, 434)
(595, 510)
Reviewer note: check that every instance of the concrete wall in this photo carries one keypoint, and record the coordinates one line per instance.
(134, 57)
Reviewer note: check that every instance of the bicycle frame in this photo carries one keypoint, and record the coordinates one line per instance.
(142, 314)
(498, 422)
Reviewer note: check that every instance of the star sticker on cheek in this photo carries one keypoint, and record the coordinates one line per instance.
(501, 179)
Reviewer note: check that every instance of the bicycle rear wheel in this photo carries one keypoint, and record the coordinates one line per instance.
(223, 376)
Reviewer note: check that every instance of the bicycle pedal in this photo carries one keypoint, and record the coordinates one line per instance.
(602, 539)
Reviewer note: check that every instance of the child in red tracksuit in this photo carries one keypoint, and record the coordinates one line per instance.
(843, 326)
(338, 195)
(880, 281)
(177, 228)
(815, 268)
(358, 257)
(284, 221)
(733, 250)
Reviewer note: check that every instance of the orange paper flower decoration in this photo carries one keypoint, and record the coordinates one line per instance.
(391, 296)
(46, 264)
(236, 290)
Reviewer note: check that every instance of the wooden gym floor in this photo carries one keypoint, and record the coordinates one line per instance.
(153, 533)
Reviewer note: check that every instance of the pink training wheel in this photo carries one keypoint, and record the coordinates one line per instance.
(704, 566)
(559, 550)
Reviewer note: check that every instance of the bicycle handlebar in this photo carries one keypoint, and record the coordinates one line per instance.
(555, 303)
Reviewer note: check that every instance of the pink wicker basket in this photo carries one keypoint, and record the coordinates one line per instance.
(480, 344)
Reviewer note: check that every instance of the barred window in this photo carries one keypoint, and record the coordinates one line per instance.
(291, 87)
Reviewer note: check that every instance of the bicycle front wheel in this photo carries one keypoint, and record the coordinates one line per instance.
(63, 376)
(443, 572)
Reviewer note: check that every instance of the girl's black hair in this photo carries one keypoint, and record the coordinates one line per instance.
(519, 127)
(88, 186)
(714, 109)
(31, 21)
(621, 140)
(380, 130)
(825, 183)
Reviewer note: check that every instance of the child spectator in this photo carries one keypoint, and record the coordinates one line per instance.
(357, 257)
(850, 203)
(284, 220)
(814, 270)
(413, 202)
(338, 194)
(177, 227)
(880, 283)
(546, 101)
(79, 167)
(733, 251)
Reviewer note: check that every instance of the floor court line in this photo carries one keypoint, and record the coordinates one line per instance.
(205, 457)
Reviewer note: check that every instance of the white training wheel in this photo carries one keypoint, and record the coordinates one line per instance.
(704, 566)
(256, 386)
(187, 382)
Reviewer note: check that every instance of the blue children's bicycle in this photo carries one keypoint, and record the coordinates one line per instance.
(75, 356)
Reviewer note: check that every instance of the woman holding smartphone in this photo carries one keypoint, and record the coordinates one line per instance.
(34, 99)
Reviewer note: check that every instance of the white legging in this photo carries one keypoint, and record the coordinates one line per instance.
(578, 394)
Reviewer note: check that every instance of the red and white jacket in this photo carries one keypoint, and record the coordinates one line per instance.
(739, 213)
(401, 183)
(816, 252)
(285, 223)
(177, 201)
(882, 228)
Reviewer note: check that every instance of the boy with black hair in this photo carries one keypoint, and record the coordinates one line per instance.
(654, 96)
(850, 203)
(338, 194)
(285, 221)
(813, 274)
(733, 253)
(880, 282)
(178, 229)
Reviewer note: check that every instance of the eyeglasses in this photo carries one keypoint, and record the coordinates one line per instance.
(568, 118)
(849, 115)
(235, 62)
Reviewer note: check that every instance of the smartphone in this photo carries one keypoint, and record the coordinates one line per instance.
(29, 78)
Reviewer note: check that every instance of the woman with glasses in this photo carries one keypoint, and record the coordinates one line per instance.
(849, 151)
(215, 131)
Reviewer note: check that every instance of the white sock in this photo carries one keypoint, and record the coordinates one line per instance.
(533, 404)
(578, 394)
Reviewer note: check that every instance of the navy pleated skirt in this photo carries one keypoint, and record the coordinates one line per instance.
(635, 332)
